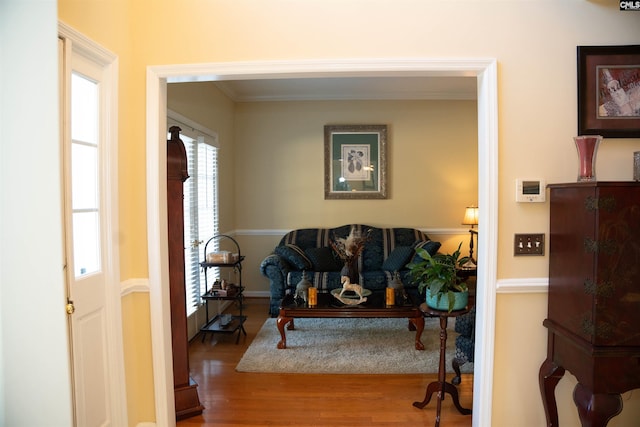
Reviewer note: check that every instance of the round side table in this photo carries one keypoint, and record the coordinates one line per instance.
(442, 386)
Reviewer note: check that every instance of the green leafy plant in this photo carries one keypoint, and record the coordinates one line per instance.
(438, 273)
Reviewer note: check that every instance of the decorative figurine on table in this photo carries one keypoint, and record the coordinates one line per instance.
(398, 288)
(302, 288)
(347, 286)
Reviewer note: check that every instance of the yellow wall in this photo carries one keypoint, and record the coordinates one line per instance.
(137, 346)
(534, 43)
(520, 349)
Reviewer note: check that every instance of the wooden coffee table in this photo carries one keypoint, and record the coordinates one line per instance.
(329, 307)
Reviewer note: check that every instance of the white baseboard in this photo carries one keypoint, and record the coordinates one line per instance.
(257, 294)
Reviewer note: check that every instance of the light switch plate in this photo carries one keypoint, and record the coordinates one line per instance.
(528, 244)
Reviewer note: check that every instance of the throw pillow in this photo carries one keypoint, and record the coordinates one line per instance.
(429, 245)
(323, 259)
(398, 258)
(295, 256)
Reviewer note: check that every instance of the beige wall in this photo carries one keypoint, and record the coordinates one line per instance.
(278, 168)
(432, 167)
(432, 164)
(534, 43)
(206, 105)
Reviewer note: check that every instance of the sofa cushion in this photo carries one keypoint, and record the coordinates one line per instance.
(429, 245)
(295, 256)
(324, 259)
(398, 258)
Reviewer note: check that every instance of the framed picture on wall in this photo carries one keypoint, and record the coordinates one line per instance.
(609, 91)
(355, 164)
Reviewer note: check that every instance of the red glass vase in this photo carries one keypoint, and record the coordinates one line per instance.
(587, 147)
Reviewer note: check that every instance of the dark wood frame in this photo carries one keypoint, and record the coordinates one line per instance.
(592, 60)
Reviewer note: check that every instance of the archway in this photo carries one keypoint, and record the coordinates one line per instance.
(485, 71)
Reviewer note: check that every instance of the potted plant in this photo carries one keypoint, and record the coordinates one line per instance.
(437, 275)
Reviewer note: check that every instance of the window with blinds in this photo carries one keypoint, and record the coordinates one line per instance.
(200, 208)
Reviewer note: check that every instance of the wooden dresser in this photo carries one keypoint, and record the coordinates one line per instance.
(594, 297)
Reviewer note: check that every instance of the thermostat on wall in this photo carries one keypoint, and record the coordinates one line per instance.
(530, 190)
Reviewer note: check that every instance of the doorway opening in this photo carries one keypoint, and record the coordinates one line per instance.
(485, 72)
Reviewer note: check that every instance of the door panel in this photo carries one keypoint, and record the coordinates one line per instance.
(90, 184)
(91, 359)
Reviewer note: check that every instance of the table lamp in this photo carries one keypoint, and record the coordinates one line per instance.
(470, 218)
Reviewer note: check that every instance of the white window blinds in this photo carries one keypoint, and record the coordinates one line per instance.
(200, 206)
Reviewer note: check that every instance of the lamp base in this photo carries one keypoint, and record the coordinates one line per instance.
(469, 265)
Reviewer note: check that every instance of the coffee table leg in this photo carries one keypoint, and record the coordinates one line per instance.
(418, 323)
(280, 322)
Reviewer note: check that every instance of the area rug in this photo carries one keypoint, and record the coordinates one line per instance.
(349, 346)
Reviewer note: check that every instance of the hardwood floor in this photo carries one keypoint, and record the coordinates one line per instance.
(248, 399)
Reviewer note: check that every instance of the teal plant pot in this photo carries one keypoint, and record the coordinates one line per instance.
(460, 302)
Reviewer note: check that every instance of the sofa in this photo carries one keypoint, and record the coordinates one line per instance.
(307, 252)
(465, 342)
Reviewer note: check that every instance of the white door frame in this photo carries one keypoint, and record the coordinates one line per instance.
(83, 46)
(485, 70)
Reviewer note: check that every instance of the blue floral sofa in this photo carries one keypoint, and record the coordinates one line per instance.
(308, 251)
(465, 342)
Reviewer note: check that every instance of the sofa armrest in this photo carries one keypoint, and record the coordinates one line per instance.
(275, 269)
(275, 261)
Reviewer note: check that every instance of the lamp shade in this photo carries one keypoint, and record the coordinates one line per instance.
(470, 216)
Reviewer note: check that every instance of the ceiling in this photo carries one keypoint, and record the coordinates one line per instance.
(350, 88)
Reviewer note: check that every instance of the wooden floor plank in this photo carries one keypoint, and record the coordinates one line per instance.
(241, 399)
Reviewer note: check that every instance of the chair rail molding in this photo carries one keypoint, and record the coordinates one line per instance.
(131, 286)
(523, 286)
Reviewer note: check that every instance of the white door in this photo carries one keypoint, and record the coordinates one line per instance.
(90, 225)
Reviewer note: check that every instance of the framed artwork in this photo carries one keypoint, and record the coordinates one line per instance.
(609, 91)
(355, 165)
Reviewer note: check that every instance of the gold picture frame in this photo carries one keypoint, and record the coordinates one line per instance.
(355, 165)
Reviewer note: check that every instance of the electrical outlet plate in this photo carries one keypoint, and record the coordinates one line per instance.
(528, 244)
